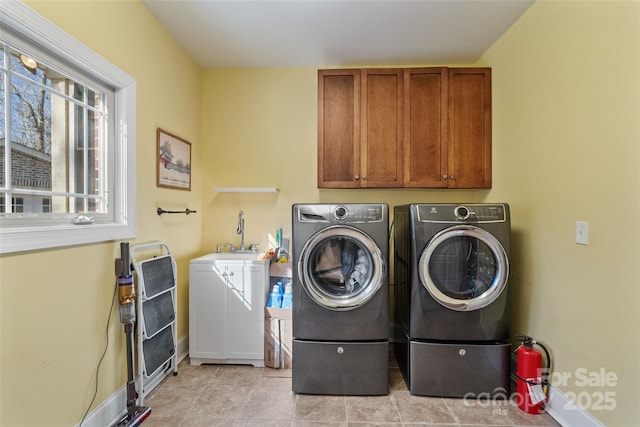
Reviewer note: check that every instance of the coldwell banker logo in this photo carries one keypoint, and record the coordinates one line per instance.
(595, 391)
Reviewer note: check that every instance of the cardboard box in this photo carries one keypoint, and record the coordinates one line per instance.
(278, 337)
(280, 269)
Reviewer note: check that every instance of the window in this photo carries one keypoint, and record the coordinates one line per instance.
(67, 139)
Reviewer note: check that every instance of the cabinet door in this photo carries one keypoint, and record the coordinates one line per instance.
(469, 162)
(338, 128)
(382, 127)
(245, 304)
(207, 312)
(425, 127)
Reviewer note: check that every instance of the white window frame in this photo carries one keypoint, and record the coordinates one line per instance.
(23, 21)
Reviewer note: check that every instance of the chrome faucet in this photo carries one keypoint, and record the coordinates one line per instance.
(240, 229)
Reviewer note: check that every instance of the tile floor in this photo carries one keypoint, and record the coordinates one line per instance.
(233, 395)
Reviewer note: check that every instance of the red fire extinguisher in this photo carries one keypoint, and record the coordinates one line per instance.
(532, 378)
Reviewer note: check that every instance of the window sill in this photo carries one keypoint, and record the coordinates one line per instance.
(37, 238)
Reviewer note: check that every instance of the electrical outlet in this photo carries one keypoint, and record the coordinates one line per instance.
(582, 232)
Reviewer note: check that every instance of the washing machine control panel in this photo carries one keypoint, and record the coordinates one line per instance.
(358, 213)
(342, 214)
(457, 213)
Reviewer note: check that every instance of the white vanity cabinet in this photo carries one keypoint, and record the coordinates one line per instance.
(226, 309)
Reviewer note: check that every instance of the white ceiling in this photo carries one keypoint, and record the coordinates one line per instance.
(326, 33)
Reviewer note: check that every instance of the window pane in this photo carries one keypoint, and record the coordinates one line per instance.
(92, 98)
(30, 115)
(76, 91)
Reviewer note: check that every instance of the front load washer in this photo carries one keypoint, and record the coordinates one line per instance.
(451, 273)
(340, 299)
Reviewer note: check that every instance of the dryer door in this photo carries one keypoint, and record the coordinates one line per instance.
(464, 268)
(341, 268)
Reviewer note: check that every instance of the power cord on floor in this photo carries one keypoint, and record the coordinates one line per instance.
(106, 346)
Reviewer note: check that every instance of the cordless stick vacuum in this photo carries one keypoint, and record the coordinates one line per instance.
(135, 414)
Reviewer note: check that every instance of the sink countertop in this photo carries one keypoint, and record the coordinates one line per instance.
(231, 256)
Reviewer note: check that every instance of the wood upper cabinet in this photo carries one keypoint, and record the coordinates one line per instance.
(425, 127)
(360, 125)
(414, 127)
(469, 162)
(338, 128)
(382, 121)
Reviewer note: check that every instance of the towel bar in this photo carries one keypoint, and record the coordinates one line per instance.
(187, 211)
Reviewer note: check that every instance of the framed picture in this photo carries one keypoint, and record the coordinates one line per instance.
(174, 162)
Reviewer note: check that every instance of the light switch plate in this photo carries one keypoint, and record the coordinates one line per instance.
(582, 232)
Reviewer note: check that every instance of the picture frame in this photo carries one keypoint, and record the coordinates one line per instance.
(173, 161)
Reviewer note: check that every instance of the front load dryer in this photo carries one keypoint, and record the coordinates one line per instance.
(340, 299)
(451, 272)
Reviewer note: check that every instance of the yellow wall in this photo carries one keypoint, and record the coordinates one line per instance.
(54, 304)
(565, 148)
(566, 113)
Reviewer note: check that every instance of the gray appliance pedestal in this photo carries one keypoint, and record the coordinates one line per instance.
(341, 368)
(459, 370)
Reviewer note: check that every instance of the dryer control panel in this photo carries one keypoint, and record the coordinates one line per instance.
(449, 213)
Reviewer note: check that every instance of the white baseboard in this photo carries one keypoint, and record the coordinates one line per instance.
(567, 413)
(112, 410)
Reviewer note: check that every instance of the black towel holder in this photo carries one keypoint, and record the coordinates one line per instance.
(187, 211)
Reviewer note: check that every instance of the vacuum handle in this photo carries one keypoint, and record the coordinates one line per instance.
(123, 264)
(124, 253)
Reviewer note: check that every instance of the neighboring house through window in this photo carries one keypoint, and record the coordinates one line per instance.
(67, 139)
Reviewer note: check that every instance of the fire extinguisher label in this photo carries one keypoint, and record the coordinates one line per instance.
(536, 394)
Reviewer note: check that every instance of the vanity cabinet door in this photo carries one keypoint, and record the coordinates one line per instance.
(245, 302)
(207, 312)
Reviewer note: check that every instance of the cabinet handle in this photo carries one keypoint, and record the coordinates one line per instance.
(452, 178)
(444, 176)
(357, 177)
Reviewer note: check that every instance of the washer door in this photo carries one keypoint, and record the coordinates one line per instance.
(464, 268)
(341, 268)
